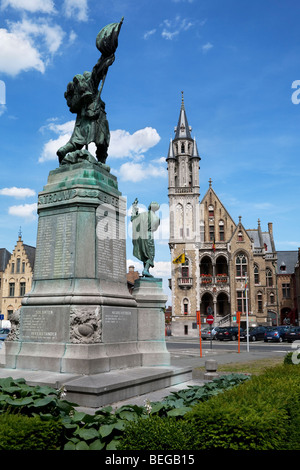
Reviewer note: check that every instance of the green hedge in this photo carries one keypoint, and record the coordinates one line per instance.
(19, 432)
(260, 414)
(157, 433)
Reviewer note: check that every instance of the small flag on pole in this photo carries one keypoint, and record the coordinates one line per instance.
(246, 286)
(214, 245)
(179, 259)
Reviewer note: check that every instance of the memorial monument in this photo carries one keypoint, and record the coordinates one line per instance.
(79, 318)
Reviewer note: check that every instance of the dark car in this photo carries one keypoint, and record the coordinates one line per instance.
(3, 333)
(255, 333)
(228, 333)
(293, 334)
(276, 333)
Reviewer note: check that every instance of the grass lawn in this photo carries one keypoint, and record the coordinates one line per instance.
(252, 367)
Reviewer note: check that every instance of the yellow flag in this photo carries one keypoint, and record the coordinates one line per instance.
(179, 259)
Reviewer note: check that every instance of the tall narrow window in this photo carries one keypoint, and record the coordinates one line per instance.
(23, 267)
(211, 233)
(185, 306)
(256, 274)
(286, 290)
(259, 302)
(241, 301)
(22, 289)
(221, 231)
(18, 265)
(11, 289)
(269, 278)
(185, 269)
(241, 265)
(12, 268)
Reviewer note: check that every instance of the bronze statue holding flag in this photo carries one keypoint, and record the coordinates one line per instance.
(84, 99)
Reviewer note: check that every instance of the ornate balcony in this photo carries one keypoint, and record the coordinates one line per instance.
(206, 279)
(185, 282)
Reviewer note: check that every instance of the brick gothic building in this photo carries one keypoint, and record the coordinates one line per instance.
(220, 255)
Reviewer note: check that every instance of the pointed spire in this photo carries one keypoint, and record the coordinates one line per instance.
(183, 130)
(170, 153)
(195, 150)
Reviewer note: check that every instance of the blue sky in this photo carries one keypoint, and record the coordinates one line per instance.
(237, 63)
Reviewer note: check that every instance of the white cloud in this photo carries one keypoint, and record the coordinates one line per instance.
(28, 45)
(17, 192)
(123, 144)
(149, 33)
(76, 9)
(28, 211)
(206, 47)
(50, 148)
(161, 269)
(17, 54)
(33, 6)
(51, 35)
(132, 171)
(172, 28)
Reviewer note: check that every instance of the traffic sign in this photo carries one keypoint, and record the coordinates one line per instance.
(210, 319)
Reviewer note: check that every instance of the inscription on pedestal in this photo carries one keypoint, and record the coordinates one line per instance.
(119, 324)
(45, 325)
(55, 246)
(111, 244)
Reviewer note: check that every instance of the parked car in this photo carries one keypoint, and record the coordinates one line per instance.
(276, 333)
(206, 333)
(214, 330)
(3, 333)
(293, 334)
(229, 333)
(255, 333)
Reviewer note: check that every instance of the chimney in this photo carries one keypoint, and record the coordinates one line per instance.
(270, 227)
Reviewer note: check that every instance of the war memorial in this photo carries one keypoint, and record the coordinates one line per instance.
(79, 326)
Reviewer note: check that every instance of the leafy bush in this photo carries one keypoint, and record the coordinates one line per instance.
(260, 414)
(19, 432)
(156, 433)
(104, 429)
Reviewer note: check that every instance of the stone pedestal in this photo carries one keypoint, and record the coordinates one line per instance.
(79, 316)
(151, 302)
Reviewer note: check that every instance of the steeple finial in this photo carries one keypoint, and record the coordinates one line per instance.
(210, 182)
(182, 100)
(20, 233)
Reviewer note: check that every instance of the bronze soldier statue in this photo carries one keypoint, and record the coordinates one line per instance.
(84, 99)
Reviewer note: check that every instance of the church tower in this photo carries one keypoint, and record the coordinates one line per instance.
(184, 191)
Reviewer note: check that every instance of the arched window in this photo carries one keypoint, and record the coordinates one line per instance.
(185, 306)
(272, 298)
(269, 278)
(256, 274)
(241, 265)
